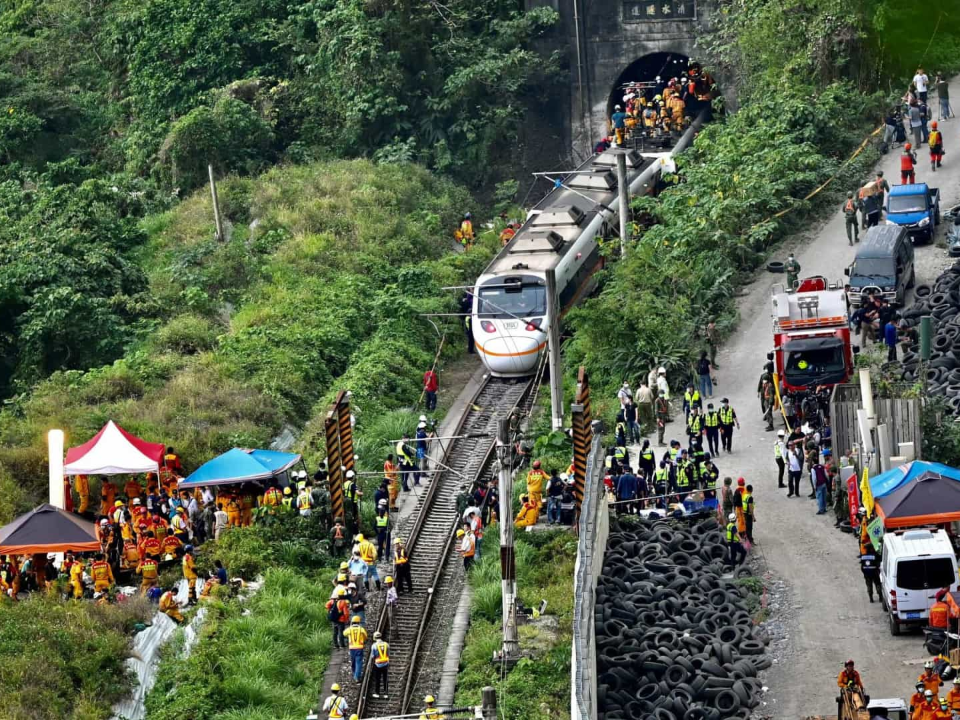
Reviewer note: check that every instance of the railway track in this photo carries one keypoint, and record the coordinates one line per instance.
(430, 541)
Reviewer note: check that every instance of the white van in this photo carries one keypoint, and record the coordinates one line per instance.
(916, 564)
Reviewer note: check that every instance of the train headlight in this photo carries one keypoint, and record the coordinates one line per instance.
(534, 324)
(488, 326)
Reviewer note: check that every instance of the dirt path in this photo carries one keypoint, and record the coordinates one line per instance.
(829, 617)
(821, 601)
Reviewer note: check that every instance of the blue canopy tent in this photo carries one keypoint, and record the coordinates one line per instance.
(885, 483)
(238, 466)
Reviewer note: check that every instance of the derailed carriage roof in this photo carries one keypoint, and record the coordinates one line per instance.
(560, 218)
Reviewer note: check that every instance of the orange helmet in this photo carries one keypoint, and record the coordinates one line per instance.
(934, 124)
(907, 146)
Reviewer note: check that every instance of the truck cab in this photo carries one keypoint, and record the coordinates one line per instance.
(916, 208)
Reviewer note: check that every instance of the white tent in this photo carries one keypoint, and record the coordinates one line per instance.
(114, 451)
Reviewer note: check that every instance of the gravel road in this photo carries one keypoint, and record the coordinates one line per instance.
(820, 613)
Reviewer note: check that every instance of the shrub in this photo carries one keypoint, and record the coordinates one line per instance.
(186, 335)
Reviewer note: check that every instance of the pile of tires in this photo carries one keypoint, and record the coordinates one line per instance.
(674, 638)
(942, 302)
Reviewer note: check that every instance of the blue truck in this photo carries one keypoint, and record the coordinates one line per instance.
(915, 208)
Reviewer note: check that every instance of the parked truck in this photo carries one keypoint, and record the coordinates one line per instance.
(811, 333)
(916, 208)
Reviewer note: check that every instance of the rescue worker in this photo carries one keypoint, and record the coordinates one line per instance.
(953, 697)
(430, 709)
(506, 235)
(792, 269)
(383, 529)
(232, 507)
(908, 161)
(749, 513)
(768, 401)
(380, 657)
(171, 547)
(466, 231)
(528, 513)
(286, 502)
(691, 398)
(76, 578)
(928, 709)
(618, 121)
(102, 574)
(272, 498)
(695, 427)
(467, 547)
(148, 569)
(248, 502)
(850, 209)
(82, 485)
(392, 600)
(737, 553)
(930, 678)
(188, 565)
(335, 704)
(405, 457)
(304, 502)
(401, 566)
(338, 536)
(738, 506)
(170, 607)
(849, 678)
(935, 141)
(338, 612)
(390, 474)
(368, 553)
(944, 712)
(535, 479)
(180, 526)
(476, 527)
(356, 640)
(711, 421)
(171, 461)
(916, 700)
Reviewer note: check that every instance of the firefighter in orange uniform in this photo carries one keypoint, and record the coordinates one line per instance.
(82, 485)
(149, 570)
(849, 678)
(108, 496)
(930, 678)
(102, 574)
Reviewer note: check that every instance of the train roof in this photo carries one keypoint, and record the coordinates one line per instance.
(558, 220)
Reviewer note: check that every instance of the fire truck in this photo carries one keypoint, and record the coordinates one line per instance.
(811, 335)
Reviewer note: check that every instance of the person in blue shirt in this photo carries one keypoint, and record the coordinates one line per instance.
(627, 490)
(220, 572)
(890, 338)
(619, 122)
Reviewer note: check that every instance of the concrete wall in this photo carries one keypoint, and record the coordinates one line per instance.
(610, 41)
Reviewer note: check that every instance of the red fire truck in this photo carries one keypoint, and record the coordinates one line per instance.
(811, 335)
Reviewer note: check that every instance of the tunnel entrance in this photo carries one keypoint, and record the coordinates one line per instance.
(662, 74)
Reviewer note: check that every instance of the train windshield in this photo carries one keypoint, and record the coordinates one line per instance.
(512, 300)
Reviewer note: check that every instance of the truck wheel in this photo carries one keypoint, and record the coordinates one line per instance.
(936, 218)
(894, 625)
(913, 278)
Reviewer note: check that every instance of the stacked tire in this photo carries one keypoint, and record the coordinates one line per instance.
(674, 638)
(942, 302)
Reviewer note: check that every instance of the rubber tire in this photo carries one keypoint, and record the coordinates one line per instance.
(894, 626)
(775, 266)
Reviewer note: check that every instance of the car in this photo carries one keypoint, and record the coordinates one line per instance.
(916, 564)
(915, 208)
(884, 266)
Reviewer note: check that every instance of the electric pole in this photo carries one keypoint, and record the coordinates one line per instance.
(553, 352)
(624, 198)
(508, 571)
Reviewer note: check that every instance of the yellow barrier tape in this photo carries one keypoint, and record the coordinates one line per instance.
(814, 192)
(776, 390)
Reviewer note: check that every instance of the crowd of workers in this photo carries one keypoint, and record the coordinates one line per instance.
(929, 701)
(661, 109)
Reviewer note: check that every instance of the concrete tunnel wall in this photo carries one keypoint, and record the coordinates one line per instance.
(610, 41)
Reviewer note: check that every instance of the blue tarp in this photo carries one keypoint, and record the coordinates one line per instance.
(885, 483)
(236, 466)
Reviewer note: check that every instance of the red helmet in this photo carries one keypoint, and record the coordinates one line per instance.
(849, 662)
(536, 464)
(934, 124)
(907, 146)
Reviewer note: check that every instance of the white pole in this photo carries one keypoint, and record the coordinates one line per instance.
(883, 440)
(553, 351)
(55, 462)
(624, 199)
(866, 391)
(508, 575)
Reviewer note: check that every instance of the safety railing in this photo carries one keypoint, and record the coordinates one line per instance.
(594, 528)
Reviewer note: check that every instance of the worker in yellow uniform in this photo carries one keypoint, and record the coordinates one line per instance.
(170, 607)
(148, 569)
(380, 657)
(102, 574)
(368, 553)
(132, 490)
(76, 578)
(82, 485)
(286, 502)
(190, 573)
(247, 502)
(466, 231)
(233, 510)
(535, 480)
(393, 485)
(430, 709)
(335, 704)
(930, 679)
(528, 513)
(272, 498)
(108, 496)
(356, 639)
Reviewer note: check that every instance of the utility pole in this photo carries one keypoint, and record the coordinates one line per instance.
(624, 198)
(216, 203)
(488, 709)
(508, 571)
(553, 350)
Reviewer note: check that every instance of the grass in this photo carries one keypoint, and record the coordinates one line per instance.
(539, 685)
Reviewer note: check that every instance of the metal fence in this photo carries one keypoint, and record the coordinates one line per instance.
(594, 528)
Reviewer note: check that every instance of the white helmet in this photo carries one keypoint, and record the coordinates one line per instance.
(956, 679)
(928, 665)
(616, 107)
(661, 371)
(351, 474)
(302, 475)
(732, 517)
(780, 433)
(863, 511)
(423, 418)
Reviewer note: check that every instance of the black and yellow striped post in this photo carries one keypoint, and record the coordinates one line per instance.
(582, 438)
(346, 431)
(334, 474)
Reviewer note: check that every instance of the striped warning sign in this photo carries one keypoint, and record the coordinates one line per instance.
(582, 437)
(346, 431)
(335, 476)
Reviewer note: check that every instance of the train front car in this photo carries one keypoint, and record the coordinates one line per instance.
(509, 323)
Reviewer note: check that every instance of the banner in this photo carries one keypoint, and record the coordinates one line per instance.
(853, 497)
(875, 530)
(866, 494)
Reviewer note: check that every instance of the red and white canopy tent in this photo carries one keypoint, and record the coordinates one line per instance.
(114, 451)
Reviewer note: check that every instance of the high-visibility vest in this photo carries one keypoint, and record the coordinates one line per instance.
(402, 453)
(732, 534)
(383, 521)
(712, 419)
(272, 496)
(648, 456)
(661, 475)
(777, 450)
(469, 546)
(683, 480)
(620, 453)
(368, 552)
(691, 398)
(906, 162)
(726, 415)
(621, 428)
(356, 636)
(287, 501)
(694, 424)
(400, 556)
(746, 501)
(338, 707)
(380, 652)
(303, 501)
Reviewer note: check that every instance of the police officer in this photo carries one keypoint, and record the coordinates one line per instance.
(728, 418)
(661, 479)
(647, 460)
(871, 573)
(691, 399)
(737, 553)
(694, 425)
(711, 420)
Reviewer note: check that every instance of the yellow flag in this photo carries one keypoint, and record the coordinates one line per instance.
(866, 495)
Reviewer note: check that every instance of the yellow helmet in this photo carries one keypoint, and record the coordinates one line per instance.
(118, 503)
(354, 717)
(388, 579)
(344, 565)
(460, 533)
(286, 491)
(335, 687)
(359, 538)
(355, 620)
(341, 578)
(429, 700)
(341, 592)
(398, 541)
